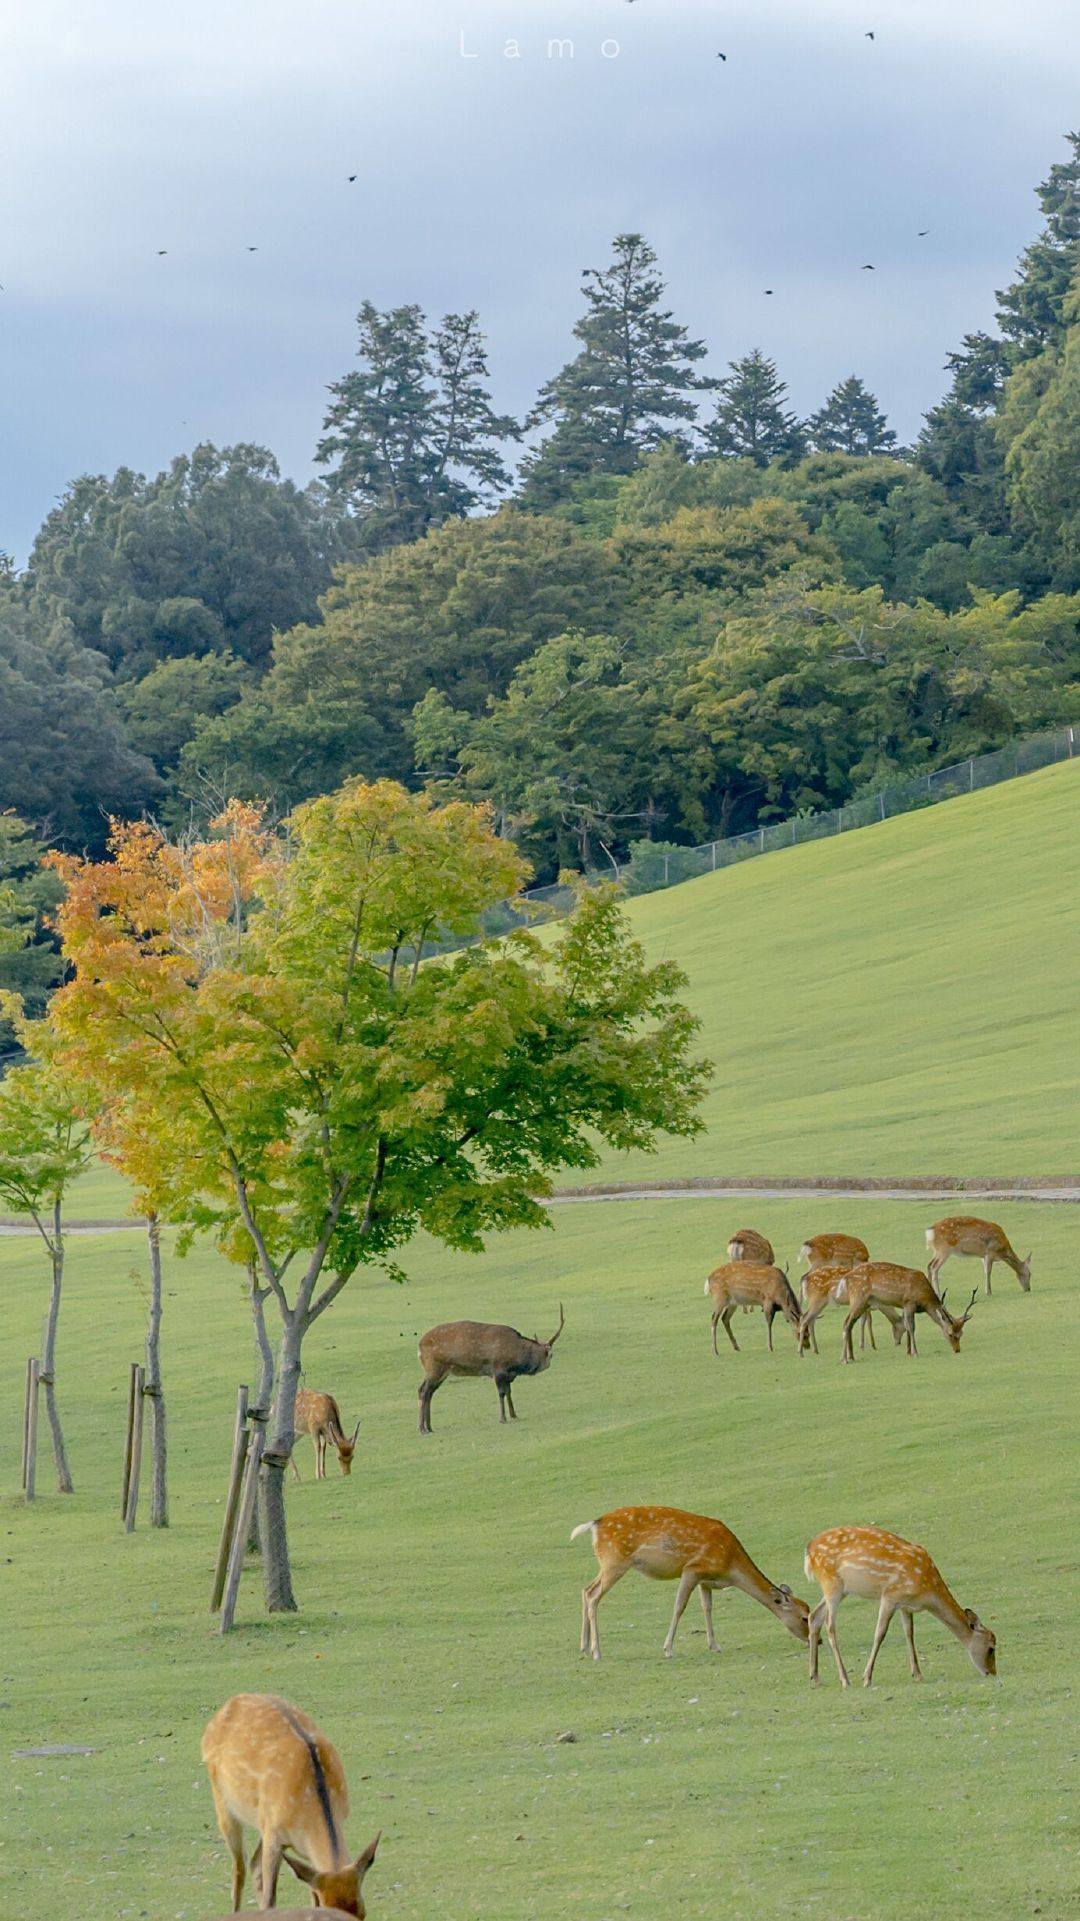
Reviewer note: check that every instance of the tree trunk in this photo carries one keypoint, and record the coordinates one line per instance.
(159, 1492)
(277, 1574)
(48, 1361)
(265, 1383)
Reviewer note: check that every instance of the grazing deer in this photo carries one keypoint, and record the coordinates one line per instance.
(883, 1284)
(290, 1914)
(983, 1240)
(832, 1250)
(320, 1416)
(467, 1350)
(750, 1284)
(824, 1284)
(749, 1245)
(270, 1768)
(883, 1568)
(667, 1544)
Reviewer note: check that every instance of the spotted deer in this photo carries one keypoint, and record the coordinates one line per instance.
(320, 1416)
(824, 1284)
(272, 1769)
(884, 1284)
(832, 1250)
(982, 1240)
(751, 1284)
(897, 1575)
(470, 1350)
(667, 1544)
(748, 1245)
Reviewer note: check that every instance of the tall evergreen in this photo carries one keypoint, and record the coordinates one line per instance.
(412, 437)
(1031, 312)
(752, 421)
(630, 387)
(850, 422)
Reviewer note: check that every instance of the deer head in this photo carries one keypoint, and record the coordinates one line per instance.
(951, 1326)
(982, 1645)
(338, 1887)
(545, 1347)
(792, 1612)
(346, 1450)
(1023, 1274)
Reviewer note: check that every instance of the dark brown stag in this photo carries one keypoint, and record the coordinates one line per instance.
(474, 1350)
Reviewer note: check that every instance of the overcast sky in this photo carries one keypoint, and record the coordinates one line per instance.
(209, 126)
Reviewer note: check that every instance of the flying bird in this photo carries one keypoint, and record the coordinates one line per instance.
(253, 250)
(923, 231)
(869, 36)
(162, 251)
(352, 177)
(869, 267)
(768, 290)
(721, 56)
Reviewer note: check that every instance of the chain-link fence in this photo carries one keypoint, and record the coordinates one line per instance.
(657, 864)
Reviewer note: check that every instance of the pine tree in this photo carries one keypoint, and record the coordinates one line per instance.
(628, 389)
(1031, 311)
(413, 434)
(751, 420)
(850, 422)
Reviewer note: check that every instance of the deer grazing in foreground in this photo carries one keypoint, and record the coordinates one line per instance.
(667, 1544)
(820, 1285)
(469, 1350)
(883, 1284)
(832, 1250)
(983, 1240)
(320, 1416)
(883, 1568)
(291, 1914)
(749, 1245)
(750, 1284)
(270, 1768)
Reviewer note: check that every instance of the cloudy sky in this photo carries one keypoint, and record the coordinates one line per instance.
(206, 127)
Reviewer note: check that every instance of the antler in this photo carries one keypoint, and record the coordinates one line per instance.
(559, 1329)
(966, 1315)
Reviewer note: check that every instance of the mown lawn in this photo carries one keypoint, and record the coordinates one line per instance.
(438, 1639)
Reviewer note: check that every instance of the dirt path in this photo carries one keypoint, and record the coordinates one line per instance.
(765, 1189)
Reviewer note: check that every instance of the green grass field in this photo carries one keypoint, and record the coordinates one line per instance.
(899, 1001)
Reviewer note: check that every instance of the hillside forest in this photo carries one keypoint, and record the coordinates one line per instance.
(661, 607)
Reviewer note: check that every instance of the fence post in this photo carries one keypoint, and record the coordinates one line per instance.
(30, 1419)
(881, 804)
(971, 776)
(714, 857)
(839, 820)
(129, 1434)
(667, 859)
(243, 1522)
(138, 1383)
(793, 830)
(1069, 731)
(232, 1499)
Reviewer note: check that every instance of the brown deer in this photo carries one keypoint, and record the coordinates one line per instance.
(832, 1250)
(881, 1567)
(320, 1416)
(749, 1245)
(750, 1284)
(982, 1240)
(884, 1284)
(820, 1285)
(667, 1544)
(290, 1914)
(470, 1350)
(270, 1768)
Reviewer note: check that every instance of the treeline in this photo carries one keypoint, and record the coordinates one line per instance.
(687, 611)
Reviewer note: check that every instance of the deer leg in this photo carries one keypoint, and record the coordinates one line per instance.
(988, 1262)
(604, 1582)
(271, 1868)
(909, 1635)
(715, 1318)
(847, 1352)
(295, 1469)
(687, 1583)
(815, 1623)
(912, 1344)
(503, 1385)
(233, 1836)
(425, 1391)
(867, 1328)
(706, 1609)
(586, 1631)
(769, 1313)
(320, 1457)
(510, 1401)
(832, 1602)
(726, 1319)
(885, 1615)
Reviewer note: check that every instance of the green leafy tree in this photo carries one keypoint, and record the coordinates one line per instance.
(29, 956)
(631, 385)
(164, 709)
(315, 1095)
(1040, 425)
(850, 422)
(411, 437)
(752, 420)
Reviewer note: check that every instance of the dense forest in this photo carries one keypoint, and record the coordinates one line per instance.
(677, 612)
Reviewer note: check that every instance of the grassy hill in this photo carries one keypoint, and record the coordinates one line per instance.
(440, 1593)
(900, 1000)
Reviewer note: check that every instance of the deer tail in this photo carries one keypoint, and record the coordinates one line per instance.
(584, 1528)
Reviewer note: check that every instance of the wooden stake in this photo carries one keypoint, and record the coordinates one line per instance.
(232, 1500)
(128, 1435)
(30, 1460)
(138, 1383)
(243, 1524)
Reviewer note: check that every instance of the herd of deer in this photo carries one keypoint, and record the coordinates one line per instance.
(273, 1770)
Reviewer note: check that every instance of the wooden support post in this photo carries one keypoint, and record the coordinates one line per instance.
(256, 1442)
(138, 1384)
(232, 1499)
(128, 1433)
(30, 1429)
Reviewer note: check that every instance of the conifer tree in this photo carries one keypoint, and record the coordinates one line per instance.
(752, 421)
(850, 422)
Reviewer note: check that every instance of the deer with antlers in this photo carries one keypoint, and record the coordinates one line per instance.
(982, 1240)
(820, 1285)
(751, 1284)
(471, 1350)
(320, 1416)
(272, 1769)
(885, 1284)
(667, 1544)
(898, 1575)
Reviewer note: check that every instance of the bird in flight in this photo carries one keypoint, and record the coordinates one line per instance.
(721, 56)
(869, 267)
(768, 290)
(253, 249)
(162, 251)
(869, 36)
(352, 177)
(923, 231)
